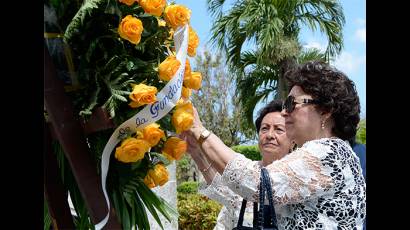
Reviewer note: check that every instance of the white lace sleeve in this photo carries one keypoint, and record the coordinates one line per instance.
(219, 192)
(306, 173)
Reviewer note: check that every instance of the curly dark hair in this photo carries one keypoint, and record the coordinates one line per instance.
(334, 90)
(273, 106)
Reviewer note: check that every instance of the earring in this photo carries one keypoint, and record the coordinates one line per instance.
(323, 124)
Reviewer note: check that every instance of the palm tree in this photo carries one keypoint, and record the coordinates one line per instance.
(272, 27)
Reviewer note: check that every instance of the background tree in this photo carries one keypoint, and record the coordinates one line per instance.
(361, 132)
(219, 108)
(271, 28)
(218, 104)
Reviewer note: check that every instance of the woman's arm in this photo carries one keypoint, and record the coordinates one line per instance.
(215, 151)
(203, 165)
(200, 159)
(315, 169)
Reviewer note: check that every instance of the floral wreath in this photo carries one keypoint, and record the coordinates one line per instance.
(124, 53)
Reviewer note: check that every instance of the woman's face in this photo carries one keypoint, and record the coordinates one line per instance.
(304, 122)
(273, 142)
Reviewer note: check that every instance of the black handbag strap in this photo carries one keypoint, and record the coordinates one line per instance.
(266, 183)
(261, 203)
(241, 213)
(258, 216)
(255, 214)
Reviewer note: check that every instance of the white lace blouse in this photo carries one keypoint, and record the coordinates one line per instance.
(229, 214)
(318, 186)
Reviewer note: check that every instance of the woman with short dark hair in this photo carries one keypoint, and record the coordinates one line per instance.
(273, 145)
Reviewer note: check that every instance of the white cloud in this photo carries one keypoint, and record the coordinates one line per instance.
(360, 34)
(315, 44)
(349, 63)
(360, 22)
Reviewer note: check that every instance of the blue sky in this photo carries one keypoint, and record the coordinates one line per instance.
(352, 60)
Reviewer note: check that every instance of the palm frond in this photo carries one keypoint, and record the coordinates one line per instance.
(311, 55)
(93, 102)
(227, 26)
(254, 87)
(328, 16)
(87, 8)
(137, 196)
(215, 7)
(47, 217)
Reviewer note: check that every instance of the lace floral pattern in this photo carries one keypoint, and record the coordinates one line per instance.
(232, 202)
(317, 186)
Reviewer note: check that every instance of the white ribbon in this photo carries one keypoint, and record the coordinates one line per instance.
(166, 100)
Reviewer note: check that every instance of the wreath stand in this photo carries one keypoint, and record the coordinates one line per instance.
(70, 133)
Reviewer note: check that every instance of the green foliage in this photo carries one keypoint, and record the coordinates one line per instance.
(220, 110)
(361, 132)
(82, 220)
(249, 151)
(197, 212)
(272, 29)
(188, 187)
(107, 64)
(128, 193)
(183, 168)
(79, 18)
(58, 14)
(47, 217)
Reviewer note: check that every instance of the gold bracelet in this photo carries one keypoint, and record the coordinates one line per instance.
(206, 170)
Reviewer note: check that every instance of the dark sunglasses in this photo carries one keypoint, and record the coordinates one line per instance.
(290, 103)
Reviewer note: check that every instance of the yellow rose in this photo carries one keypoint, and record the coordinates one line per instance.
(149, 181)
(174, 147)
(187, 71)
(177, 15)
(159, 174)
(142, 95)
(183, 117)
(184, 105)
(130, 29)
(168, 68)
(131, 150)
(186, 92)
(153, 7)
(128, 2)
(193, 42)
(152, 134)
(193, 81)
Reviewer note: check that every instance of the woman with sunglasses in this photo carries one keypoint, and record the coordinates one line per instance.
(320, 184)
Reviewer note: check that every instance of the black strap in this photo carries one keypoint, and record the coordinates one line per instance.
(258, 216)
(268, 187)
(255, 214)
(241, 213)
(261, 203)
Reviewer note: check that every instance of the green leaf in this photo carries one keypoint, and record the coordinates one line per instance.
(159, 157)
(133, 216)
(93, 103)
(116, 204)
(130, 65)
(119, 97)
(122, 209)
(47, 218)
(88, 7)
(141, 214)
(159, 203)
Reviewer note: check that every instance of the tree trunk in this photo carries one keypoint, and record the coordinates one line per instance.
(283, 89)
